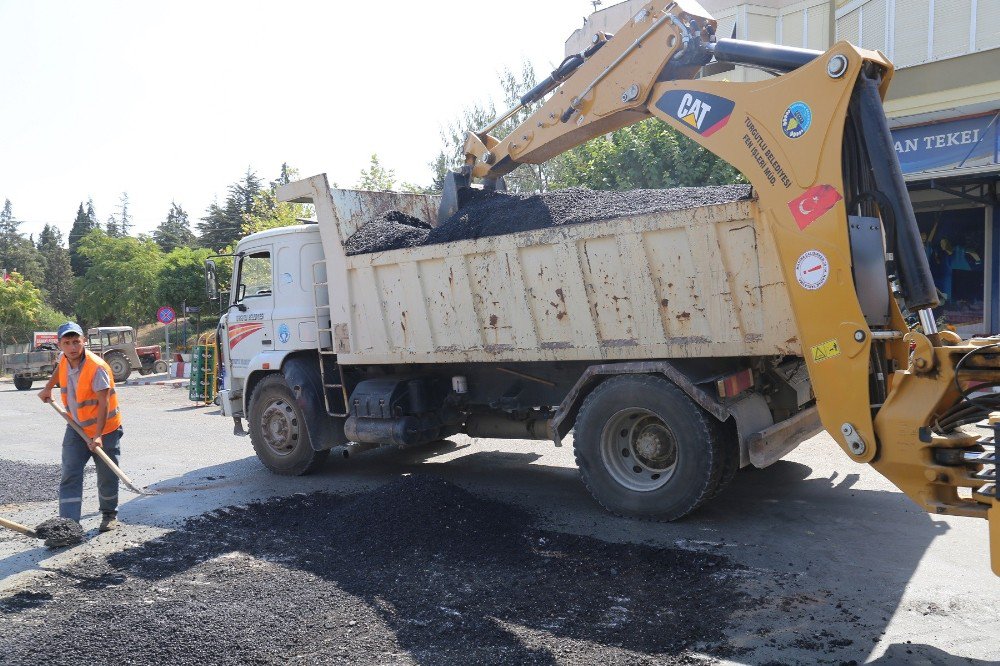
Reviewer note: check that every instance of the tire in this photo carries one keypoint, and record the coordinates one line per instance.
(120, 367)
(161, 366)
(645, 450)
(278, 430)
(145, 371)
(729, 445)
(22, 383)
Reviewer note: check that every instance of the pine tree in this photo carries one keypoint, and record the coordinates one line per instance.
(17, 253)
(175, 231)
(222, 225)
(124, 219)
(111, 227)
(58, 282)
(85, 222)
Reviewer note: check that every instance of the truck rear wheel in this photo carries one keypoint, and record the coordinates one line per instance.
(22, 383)
(644, 449)
(278, 430)
(120, 367)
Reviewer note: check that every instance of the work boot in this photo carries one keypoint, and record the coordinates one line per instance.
(109, 522)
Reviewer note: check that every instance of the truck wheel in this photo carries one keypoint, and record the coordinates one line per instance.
(729, 446)
(644, 449)
(22, 383)
(159, 367)
(119, 365)
(278, 430)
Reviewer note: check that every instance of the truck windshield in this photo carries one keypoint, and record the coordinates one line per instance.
(255, 275)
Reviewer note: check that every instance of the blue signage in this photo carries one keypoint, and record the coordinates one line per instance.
(955, 145)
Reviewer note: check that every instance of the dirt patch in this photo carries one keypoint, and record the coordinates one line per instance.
(418, 571)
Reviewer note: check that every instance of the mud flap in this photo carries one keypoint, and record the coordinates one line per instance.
(302, 375)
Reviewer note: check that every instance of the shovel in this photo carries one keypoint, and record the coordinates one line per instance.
(99, 452)
(57, 532)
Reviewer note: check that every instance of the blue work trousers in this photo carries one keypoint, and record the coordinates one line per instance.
(75, 455)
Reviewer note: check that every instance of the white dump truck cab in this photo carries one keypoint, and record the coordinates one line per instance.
(271, 311)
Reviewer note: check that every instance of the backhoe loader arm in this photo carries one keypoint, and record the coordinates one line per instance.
(815, 144)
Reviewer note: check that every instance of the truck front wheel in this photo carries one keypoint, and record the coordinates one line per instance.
(644, 449)
(278, 430)
(22, 383)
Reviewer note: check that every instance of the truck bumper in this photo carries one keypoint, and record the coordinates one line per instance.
(769, 445)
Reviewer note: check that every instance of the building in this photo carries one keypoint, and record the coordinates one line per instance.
(943, 108)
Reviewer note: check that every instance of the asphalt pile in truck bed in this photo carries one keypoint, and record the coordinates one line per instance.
(499, 213)
(392, 231)
(417, 571)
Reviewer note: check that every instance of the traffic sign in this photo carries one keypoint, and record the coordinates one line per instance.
(166, 314)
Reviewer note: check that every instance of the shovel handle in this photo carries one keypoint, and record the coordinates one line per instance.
(99, 452)
(17, 527)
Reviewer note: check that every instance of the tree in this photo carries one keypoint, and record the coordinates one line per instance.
(18, 253)
(268, 213)
(222, 225)
(376, 177)
(85, 222)
(124, 219)
(175, 231)
(111, 227)
(58, 281)
(20, 304)
(648, 154)
(120, 285)
(181, 277)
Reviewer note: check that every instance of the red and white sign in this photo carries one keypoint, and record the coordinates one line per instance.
(41, 337)
(165, 315)
(812, 269)
(813, 204)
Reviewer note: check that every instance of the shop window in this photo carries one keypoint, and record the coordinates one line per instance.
(955, 244)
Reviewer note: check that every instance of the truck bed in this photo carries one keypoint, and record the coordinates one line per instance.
(687, 283)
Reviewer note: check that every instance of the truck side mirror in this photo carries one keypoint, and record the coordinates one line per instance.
(211, 282)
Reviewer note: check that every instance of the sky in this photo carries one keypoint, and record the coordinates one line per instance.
(173, 101)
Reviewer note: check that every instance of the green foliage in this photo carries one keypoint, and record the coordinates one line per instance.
(181, 278)
(175, 231)
(18, 253)
(376, 177)
(49, 319)
(222, 225)
(269, 213)
(20, 305)
(85, 222)
(649, 154)
(58, 277)
(120, 286)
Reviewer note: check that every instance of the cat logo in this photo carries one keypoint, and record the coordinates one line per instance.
(704, 113)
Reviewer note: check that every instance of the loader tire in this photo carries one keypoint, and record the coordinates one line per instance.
(278, 430)
(120, 367)
(645, 450)
(23, 383)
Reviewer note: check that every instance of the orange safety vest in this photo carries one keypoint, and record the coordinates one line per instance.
(86, 400)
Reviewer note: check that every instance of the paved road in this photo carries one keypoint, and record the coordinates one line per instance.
(837, 556)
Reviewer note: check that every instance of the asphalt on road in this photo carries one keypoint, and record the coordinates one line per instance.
(477, 551)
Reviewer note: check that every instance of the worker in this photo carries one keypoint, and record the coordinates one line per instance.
(88, 393)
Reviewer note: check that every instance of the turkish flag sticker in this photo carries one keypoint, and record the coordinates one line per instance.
(813, 203)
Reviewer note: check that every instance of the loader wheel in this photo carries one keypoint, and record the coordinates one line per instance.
(120, 367)
(644, 449)
(23, 383)
(278, 430)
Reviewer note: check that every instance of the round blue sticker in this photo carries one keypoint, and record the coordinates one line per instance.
(797, 119)
(284, 333)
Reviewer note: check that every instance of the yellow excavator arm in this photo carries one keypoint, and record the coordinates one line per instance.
(814, 143)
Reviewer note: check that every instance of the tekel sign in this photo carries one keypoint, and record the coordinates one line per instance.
(165, 315)
(963, 143)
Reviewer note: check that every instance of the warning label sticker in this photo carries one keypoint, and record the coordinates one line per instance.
(825, 350)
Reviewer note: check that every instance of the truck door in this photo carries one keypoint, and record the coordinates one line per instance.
(249, 331)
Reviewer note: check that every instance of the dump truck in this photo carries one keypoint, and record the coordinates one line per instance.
(676, 346)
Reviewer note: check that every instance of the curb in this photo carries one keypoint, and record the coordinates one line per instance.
(175, 383)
